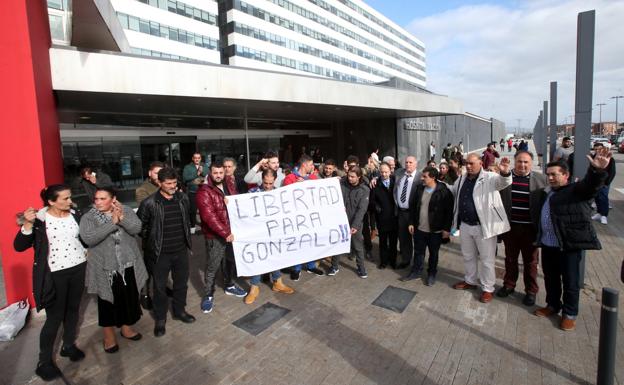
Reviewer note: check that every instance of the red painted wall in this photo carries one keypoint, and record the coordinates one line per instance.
(29, 132)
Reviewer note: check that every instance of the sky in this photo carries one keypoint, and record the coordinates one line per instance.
(499, 57)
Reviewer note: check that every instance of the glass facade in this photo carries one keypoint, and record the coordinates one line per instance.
(304, 30)
(148, 52)
(282, 61)
(183, 9)
(338, 28)
(60, 21)
(326, 6)
(156, 29)
(313, 51)
(126, 159)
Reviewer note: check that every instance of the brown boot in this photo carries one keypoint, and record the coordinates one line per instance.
(279, 286)
(545, 312)
(567, 324)
(253, 294)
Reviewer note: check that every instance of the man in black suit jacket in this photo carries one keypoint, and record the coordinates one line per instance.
(383, 207)
(407, 179)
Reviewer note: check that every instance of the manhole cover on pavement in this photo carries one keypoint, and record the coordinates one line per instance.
(394, 298)
(260, 319)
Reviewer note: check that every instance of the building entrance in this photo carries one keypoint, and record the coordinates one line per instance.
(174, 152)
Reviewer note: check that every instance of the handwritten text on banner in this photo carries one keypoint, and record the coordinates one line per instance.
(287, 226)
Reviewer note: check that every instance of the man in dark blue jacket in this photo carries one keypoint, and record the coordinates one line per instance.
(564, 230)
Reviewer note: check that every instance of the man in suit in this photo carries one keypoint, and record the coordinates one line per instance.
(407, 179)
(384, 210)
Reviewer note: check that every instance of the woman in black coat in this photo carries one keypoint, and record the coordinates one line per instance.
(58, 273)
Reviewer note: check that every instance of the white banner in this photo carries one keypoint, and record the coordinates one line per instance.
(294, 224)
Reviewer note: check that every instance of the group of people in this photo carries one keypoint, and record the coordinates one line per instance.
(419, 209)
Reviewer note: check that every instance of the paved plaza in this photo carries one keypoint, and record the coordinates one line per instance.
(333, 334)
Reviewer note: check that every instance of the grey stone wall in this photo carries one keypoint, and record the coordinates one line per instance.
(415, 134)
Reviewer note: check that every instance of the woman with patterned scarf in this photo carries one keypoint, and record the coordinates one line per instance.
(115, 268)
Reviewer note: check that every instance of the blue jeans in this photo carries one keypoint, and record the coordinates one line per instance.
(309, 266)
(275, 275)
(602, 201)
(423, 241)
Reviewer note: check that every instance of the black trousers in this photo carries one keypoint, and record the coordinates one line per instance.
(562, 267)
(357, 248)
(69, 285)
(387, 247)
(366, 232)
(192, 209)
(405, 238)
(423, 241)
(178, 265)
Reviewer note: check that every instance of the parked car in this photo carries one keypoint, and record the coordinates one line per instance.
(601, 139)
(621, 147)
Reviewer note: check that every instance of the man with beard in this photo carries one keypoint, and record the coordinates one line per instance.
(166, 243)
(151, 184)
(269, 161)
(211, 202)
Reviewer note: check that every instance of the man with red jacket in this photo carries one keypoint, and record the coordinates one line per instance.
(489, 156)
(211, 203)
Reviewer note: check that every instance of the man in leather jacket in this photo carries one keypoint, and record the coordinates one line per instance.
(166, 243)
(211, 202)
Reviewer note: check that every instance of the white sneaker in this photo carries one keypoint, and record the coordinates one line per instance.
(192, 230)
(596, 217)
(603, 220)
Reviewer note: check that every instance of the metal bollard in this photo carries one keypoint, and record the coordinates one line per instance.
(608, 334)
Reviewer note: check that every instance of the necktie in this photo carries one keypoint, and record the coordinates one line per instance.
(404, 189)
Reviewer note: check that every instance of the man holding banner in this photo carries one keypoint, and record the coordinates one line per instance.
(211, 202)
(304, 172)
(269, 177)
(291, 225)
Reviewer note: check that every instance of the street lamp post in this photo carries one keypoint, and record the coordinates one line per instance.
(599, 105)
(616, 111)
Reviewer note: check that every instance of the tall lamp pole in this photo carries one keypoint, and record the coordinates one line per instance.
(599, 105)
(616, 111)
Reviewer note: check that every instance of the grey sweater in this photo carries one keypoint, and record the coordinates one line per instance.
(102, 261)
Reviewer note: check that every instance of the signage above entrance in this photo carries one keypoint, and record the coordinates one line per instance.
(420, 125)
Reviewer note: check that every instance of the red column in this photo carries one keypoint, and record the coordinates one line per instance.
(31, 152)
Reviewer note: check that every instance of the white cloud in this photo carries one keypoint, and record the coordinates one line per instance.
(500, 60)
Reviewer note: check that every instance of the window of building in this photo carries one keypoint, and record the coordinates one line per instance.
(133, 23)
(57, 31)
(144, 26)
(56, 4)
(123, 19)
(154, 28)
